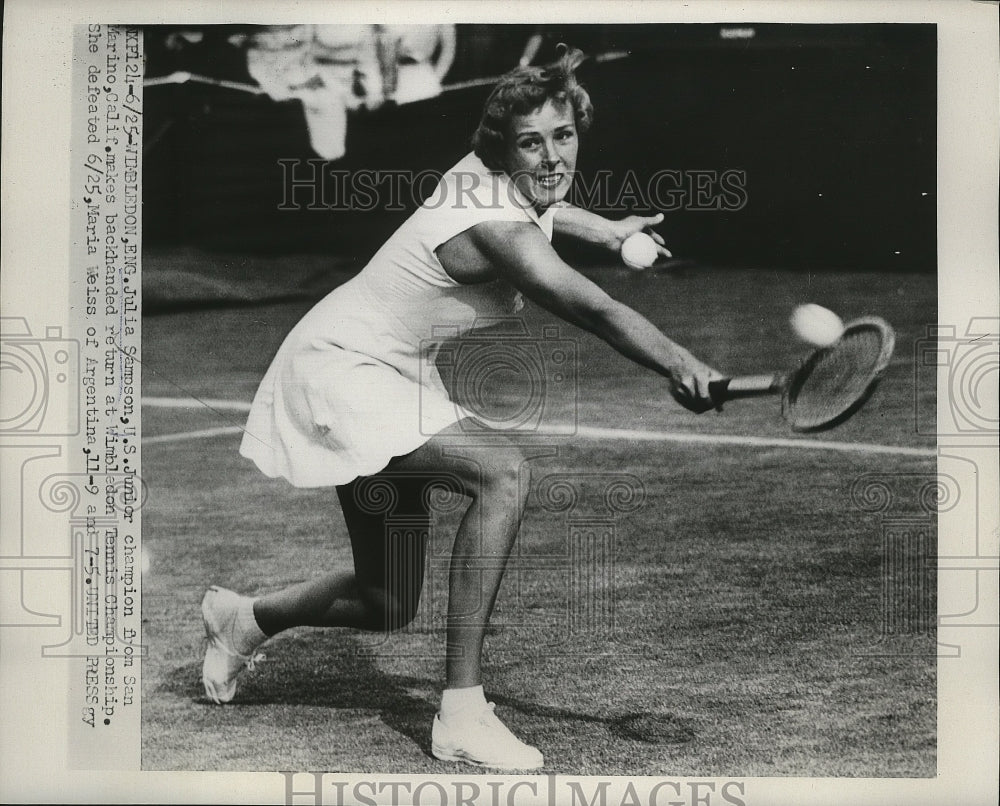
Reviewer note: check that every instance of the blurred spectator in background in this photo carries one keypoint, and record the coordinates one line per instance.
(415, 59)
(332, 69)
(180, 40)
(213, 50)
(335, 70)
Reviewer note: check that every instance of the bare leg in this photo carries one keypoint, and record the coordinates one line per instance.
(381, 594)
(376, 597)
(383, 591)
(466, 727)
(482, 546)
(329, 601)
(492, 477)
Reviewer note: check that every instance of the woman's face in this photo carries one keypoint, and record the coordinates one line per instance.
(541, 153)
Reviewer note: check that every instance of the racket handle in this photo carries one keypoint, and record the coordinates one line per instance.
(727, 389)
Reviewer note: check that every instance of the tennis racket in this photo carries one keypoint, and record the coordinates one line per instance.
(829, 386)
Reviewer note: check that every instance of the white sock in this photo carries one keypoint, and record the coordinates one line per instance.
(458, 701)
(247, 634)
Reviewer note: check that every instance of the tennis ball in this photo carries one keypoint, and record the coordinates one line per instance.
(639, 251)
(816, 325)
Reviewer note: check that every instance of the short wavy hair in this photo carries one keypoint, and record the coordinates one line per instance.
(522, 91)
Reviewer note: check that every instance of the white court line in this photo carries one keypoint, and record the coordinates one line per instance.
(581, 432)
(592, 432)
(195, 403)
(204, 433)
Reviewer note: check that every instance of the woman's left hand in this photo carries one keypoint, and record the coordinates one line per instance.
(637, 223)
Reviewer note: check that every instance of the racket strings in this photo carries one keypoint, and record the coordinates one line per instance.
(836, 380)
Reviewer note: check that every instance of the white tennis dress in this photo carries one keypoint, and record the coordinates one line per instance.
(354, 384)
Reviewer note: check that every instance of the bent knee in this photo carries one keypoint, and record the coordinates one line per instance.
(385, 612)
(506, 468)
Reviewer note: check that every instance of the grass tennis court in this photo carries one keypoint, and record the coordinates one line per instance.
(746, 591)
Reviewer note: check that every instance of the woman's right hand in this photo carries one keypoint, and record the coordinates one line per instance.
(689, 386)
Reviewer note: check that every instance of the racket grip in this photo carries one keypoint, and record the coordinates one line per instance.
(727, 389)
(718, 391)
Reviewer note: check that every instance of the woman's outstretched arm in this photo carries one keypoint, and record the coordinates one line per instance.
(523, 256)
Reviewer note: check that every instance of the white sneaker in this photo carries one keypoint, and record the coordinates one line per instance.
(223, 663)
(484, 740)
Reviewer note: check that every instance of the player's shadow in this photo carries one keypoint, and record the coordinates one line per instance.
(337, 669)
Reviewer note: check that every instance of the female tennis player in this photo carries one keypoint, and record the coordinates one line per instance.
(350, 398)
